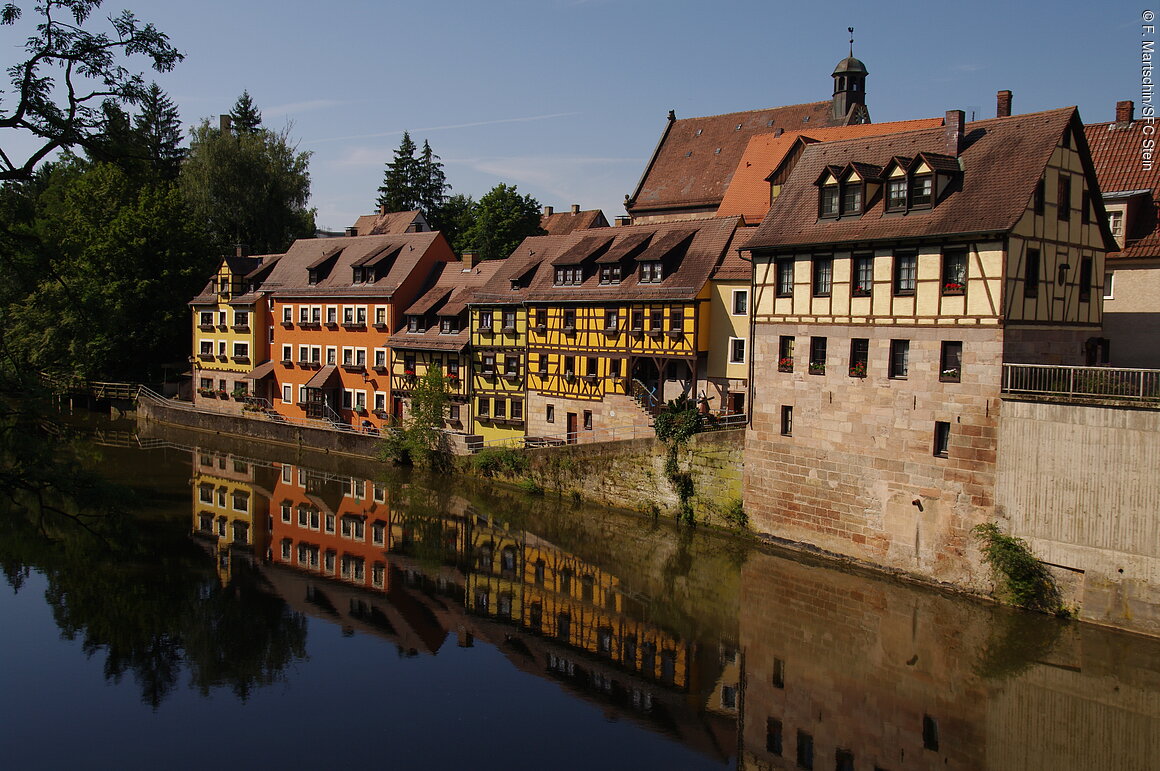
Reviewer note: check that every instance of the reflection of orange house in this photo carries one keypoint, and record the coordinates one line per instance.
(333, 526)
(334, 303)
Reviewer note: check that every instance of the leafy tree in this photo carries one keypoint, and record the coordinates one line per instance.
(503, 218)
(245, 117)
(422, 440)
(400, 188)
(454, 218)
(80, 69)
(248, 188)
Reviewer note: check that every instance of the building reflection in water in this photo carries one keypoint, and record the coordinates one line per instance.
(775, 664)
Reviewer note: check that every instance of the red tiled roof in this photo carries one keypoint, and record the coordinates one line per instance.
(390, 223)
(694, 162)
(748, 192)
(1116, 153)
(453, 288)
(1001, 162)
(564, 222)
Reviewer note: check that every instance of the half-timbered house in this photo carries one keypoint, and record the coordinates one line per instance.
(893, 277)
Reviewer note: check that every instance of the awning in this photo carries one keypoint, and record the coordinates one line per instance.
(260, 371)
(322, 376)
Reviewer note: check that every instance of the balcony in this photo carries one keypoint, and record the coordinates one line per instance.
(1082, 383)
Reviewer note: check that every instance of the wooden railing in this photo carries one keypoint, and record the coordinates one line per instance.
(1082, 382)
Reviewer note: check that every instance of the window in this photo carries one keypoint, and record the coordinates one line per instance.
(380, 401)
(484, 407)
(651, 272)
(740, 302)
(899, 358)
(828, 206)
(786, 420)
(784, 277)
(817, 356)
(509, 321)
(485, 320)
(637, 320)
(206, 347)
(287, 314)
(823, 276)
(614, 367)
(737, 350)
(921, 187)
(929, 733)
(587, 420)
(1109, 280)
(316, 354)
(1116, 225)
(954, 271)
(862, 275)
(677, 320)
(517, 410)
(773, 736)
(852, 197)
(500, 409)
(569, 319)
(412, 323)
(1063, 197)
(488, 367)
(905, 273)
(287, 393)
(241, 319)
(785, 353)
(331, 354)
(347, 398)
(896, 194)
(569, 366)
(550, 413)
(453, 413)
(511, 365)
(859, 356)
(593, 367)
(950, 366)
(1031, 274)
(1038, 199)
(205, 319)
(380, 358)
(778, 677)
(611, 320)
(805, 750)
(569, 276)
(1085, 279)
(304, 354)
(656, 320)
(610, 274)
(843, 760)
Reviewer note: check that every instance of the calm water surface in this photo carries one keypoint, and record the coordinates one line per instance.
(265, 608)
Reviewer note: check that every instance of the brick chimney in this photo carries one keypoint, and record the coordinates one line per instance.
(548, 211)
(240, 250)
(1003, 104)
(575, 208)
(1125, 111)
(470, 258)
(623, 220)
(352, 230)
(953, 132)
(225, 124)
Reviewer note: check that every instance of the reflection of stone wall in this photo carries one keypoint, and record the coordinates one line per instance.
(864, 667)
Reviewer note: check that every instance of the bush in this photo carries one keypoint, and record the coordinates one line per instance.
(531, 487)
(734, 514)
(499, 460)
(1022, 579)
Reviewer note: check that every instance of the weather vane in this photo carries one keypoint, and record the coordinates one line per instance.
(851, 40)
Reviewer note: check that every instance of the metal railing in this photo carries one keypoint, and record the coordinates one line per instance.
(582, 436)
(1086, 382)
(262, 414)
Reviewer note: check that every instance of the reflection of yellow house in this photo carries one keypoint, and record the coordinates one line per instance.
(229, 505)
(230, 323)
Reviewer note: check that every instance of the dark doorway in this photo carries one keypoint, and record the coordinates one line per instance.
(571, 428)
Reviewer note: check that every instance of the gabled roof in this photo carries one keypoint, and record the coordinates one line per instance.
(388, 223)
(448, 296)
(583, 249)
(748, 192)
(519, 271)
(290, 275)
(706, 241)
(695, 159)
(563, 222)
(1002, 160)
(252, 269)
(1116, 153)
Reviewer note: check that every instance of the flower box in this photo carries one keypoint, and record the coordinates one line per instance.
(953, 288)
(817, 369)
(949, 376)
(858, 369)
(785, 364)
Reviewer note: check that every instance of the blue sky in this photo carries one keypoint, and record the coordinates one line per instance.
(567, 98)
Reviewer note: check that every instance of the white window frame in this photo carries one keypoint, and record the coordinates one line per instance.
(380, 314)
(244, 349)
(360, 357)
(316, 354)
(332, 354)
(348, 314)
(360, 399)
(287, 314)
(347, 399)
(380, 401)
(287, 393)
(287, 352)
(380, 352)
(733, 302)
(331, 310)
(360, 314)
(744, 350)
(315, 314)
(303, 354)
(303, 314)
(1109, 284)
(347, 356)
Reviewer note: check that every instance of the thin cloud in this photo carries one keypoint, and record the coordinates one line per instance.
(448, 127)
(297, 107)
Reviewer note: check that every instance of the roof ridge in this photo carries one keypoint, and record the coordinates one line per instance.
(750, 112)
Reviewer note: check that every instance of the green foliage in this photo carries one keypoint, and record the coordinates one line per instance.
(245, 118)
(400, 188)
(491, 461)
(422, 441)
(1022, 579)
(674, 426)
(734, 514)
(249, 188)
(454, 218)
(503, 219)
(531, 487)
(158, 128)
(61, 58)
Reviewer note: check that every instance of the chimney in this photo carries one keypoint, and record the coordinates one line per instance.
(623, 220)
(953, 132)
(1125, 111)
(470, 258)
(382, 209)
(575, 208)
(352, 230)
(548, 211)
(1003, 104)
(240, 250)
(225, 124)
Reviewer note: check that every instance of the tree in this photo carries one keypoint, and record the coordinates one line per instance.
(248, 188)
(431, 182)
(58, 92)
(422, 440)
(503, 218)
(400, 189)
(455, 218)
(158, 126)
(245, 117)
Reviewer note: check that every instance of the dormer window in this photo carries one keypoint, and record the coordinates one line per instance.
(571, 276)
(829, 201)
(412, 323)
(896, 194)
(921, 190)
(610, 274)
(852, 197)
(651, 272)
(448, 326)
(312, 277)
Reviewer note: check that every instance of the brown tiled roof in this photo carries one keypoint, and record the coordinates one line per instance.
(706, 239)
(1116, 154)
(748, 192)
(430, 339)
(562, 223)
(388, 224)
(525, 264)
(732, 267)
(696, 157)
(1002, 160)
(322, 376)
(289, 278)
(453, 287)
(583, 249)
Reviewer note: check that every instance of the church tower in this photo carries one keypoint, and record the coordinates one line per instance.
(850, 89)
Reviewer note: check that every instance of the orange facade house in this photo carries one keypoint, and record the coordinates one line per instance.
(334, 302)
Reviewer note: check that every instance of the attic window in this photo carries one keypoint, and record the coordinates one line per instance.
(651, 272)
(921, 188)
(717, 151)
(412, 323)
(737, 127)
(610, 274)
(697, 133)
(829, 202)
(689, 154)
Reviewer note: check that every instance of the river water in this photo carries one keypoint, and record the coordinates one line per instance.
(265, 607)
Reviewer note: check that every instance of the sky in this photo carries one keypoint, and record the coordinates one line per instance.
(567, 98)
